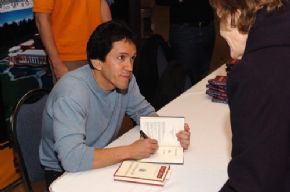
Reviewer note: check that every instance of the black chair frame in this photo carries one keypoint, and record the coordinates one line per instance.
(30, 97)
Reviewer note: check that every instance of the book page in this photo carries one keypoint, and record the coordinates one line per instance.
(166, 154)
(163, 129)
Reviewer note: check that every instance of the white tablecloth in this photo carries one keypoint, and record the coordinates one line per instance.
(205, 162)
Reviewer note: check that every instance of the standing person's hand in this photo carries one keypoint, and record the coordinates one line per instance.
(184, 136)
(43, 23)
(59, 68)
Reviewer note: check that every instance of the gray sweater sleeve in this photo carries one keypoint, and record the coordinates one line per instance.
(69, 133)
(137, 106)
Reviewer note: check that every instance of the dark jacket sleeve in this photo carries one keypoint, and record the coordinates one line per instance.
(259, 110)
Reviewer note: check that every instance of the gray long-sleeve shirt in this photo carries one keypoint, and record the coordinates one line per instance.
(79, 116)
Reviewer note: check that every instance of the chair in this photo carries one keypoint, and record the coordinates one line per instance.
(25, 125)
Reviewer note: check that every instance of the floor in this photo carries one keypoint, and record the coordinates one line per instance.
(8, 173)
(160, 26)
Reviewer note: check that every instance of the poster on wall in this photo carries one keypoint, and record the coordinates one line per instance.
(23, 62)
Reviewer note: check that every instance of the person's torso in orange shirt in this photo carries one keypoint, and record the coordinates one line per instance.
(72, 24)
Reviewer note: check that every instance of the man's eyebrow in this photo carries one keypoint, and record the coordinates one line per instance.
(126, 53)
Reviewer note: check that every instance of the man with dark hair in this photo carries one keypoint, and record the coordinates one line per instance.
(85, 109)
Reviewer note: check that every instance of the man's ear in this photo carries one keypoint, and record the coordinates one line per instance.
(98, 64)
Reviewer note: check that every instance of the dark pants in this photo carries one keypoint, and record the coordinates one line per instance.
(50, 176)
(193, 47)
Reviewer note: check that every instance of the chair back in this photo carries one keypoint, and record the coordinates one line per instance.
(25, 124)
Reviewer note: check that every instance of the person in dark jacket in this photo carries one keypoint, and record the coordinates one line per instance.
(258, 33)
(192, 36)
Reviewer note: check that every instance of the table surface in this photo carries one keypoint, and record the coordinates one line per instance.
(205, 162)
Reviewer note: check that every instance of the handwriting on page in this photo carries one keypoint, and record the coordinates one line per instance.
(168, 152)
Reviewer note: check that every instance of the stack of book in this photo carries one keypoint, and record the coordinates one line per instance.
(230, 63)
(216, 88)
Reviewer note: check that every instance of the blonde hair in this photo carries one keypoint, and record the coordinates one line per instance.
(247, 8)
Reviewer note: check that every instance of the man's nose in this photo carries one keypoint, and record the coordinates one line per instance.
(129, 65)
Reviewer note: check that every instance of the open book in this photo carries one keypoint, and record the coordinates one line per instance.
(164, 130)
(146, 173)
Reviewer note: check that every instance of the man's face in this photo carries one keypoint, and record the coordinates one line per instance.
(116, 70)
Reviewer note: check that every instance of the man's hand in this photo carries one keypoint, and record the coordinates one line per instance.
(184, 136)
(140, 149)
(143, 148)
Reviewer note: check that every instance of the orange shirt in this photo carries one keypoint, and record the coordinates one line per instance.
(72, 21)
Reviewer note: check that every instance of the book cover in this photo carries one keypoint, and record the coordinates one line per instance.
(145, 173)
